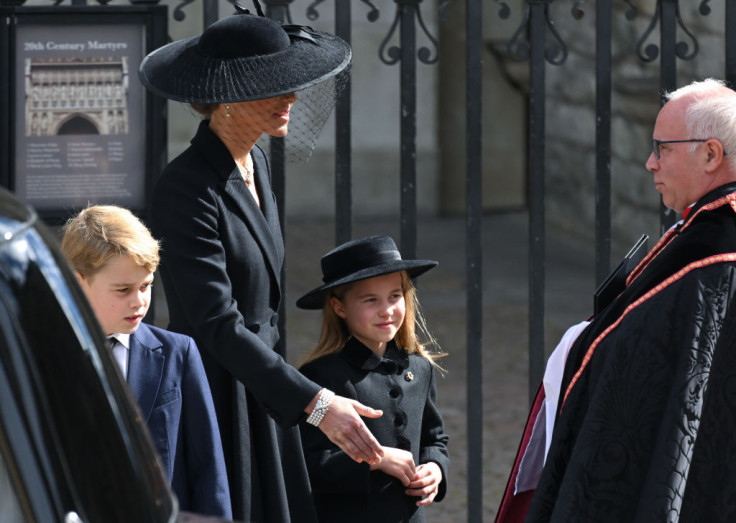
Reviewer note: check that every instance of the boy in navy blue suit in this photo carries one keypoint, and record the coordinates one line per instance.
(114, 257)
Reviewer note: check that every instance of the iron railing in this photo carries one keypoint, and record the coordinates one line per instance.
(537, 41)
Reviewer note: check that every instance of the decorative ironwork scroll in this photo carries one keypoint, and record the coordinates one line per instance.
(372, 15)
(649, 53)
(392, 55)
(178, 13)
(519, 48)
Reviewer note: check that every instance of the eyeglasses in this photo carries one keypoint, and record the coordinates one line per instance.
(657, 143)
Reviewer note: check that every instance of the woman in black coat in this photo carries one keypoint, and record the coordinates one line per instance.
(222, 252)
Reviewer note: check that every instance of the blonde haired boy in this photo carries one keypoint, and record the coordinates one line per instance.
(114, 256)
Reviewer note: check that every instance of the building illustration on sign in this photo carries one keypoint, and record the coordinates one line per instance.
(68, 96)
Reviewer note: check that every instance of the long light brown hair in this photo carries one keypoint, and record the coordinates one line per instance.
(335, 332)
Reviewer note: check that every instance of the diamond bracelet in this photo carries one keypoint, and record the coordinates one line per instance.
(323, 404)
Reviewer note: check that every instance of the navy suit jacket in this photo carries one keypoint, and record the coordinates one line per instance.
(167, 378)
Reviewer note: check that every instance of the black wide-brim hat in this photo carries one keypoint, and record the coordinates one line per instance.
(359, 260)
(243, 57)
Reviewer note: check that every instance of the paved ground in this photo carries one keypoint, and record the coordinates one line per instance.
(442, 293)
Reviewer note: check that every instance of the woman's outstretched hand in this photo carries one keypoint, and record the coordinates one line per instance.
(343, 426)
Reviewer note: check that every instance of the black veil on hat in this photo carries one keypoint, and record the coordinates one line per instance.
(359, 260)
(246, 57)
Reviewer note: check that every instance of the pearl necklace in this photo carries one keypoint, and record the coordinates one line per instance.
(246, 170)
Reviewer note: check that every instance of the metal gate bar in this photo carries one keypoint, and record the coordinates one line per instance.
(474, 260)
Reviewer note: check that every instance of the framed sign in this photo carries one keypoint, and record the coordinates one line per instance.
(80, 127)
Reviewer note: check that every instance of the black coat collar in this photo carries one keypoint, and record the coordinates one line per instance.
(264, 222)
(718, 192)
(361, 357)
(214, 151)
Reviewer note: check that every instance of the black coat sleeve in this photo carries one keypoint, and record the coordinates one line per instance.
(434, 439)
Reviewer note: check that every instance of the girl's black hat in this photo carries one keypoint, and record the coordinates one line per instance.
(358, 260)
(243, 57)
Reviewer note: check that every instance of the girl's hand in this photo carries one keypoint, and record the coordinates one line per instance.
(397, 463)
(426, 483)
(343, 426)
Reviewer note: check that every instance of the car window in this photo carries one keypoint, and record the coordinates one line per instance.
(88, 427)
(9, 503)
(25, 460)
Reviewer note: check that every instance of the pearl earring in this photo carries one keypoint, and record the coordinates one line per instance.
(227, 108)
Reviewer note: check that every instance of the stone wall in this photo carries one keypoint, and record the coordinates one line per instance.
(635, 101)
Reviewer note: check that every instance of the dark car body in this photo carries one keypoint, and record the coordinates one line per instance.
(73, 446)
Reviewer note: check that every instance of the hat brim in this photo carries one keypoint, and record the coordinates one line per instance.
(315, 299)
(178, 71)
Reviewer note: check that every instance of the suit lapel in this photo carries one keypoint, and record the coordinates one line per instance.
(268, 202)
(264, 221)
(145, 368)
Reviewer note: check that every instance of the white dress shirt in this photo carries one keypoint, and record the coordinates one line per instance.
(121, 351)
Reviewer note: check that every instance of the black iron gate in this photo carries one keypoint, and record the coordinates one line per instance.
(537, 42)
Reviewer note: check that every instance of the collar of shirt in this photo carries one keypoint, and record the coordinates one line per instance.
(364, 358)
(123, 339)
(712, 196)
(687, 212)
(121, 352)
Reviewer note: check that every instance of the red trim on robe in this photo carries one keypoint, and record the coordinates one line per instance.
(514, 507)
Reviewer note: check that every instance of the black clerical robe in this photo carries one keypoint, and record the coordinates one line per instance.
(647, 408)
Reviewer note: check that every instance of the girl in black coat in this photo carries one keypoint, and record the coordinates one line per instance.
(369, 351)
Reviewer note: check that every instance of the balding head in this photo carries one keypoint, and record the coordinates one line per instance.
(694, 143)
(709, 111)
